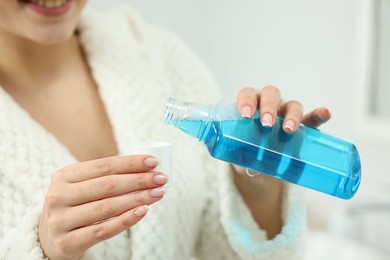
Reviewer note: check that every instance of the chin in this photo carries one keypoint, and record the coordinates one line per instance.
(53, 37)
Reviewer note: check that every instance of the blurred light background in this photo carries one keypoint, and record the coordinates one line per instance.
(323, 53)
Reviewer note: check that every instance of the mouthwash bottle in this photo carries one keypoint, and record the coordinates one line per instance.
(308, 157)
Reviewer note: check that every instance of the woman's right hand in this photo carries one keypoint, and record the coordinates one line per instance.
(92, 201)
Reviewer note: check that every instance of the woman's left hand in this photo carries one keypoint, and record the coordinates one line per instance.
(271, 104)
(262, 193)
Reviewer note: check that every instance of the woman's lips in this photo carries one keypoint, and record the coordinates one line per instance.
(51, 8)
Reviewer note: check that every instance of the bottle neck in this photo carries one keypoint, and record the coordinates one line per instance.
(182, 110)
(191, 118)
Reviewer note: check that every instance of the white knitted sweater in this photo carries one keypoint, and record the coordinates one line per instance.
(136, 68)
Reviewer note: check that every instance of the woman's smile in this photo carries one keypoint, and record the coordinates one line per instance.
(50, 4)
(48, 7)
(40, 21)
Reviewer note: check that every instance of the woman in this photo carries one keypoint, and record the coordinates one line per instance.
(75, 93)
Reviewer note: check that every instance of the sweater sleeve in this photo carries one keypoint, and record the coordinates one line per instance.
(28, 156)
(21, 242)
(243, 233)
(230, 232)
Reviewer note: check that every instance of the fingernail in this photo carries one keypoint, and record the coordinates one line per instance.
(246, 111)
(326, 114)
(141, 211)
(266, 120)
(160, 179)
(151, 161)
(330, 112)
(289, 126)
(157, 192)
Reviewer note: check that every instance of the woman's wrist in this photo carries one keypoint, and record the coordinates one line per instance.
(263, 196)
(256, 182)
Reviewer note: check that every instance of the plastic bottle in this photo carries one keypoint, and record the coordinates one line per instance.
(308, 157)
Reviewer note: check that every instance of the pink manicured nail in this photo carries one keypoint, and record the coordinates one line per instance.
(246, 111)
(266, 121)
(289, 126)
(160, 179)
(140, 211)
(151, 161)
(157, 192)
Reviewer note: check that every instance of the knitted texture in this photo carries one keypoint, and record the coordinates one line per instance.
(136, 67)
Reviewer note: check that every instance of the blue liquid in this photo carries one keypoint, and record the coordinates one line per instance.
(309, 157)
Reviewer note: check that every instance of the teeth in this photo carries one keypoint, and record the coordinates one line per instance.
(50, 4)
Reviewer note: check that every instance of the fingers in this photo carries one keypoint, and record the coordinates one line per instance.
(108, 166)
(267, 100)
(292, 111)
(317, 117)
(247, 100)
(83, 238)
(270, 104)
(64, 195)
(98, 211)
(109, 228)
(270, 100)
(112, 185)
(109, 194)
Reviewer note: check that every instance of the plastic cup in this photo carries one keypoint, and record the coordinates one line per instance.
(160, 150)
